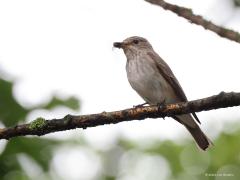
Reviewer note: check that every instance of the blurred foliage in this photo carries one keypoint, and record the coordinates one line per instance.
(183, 161)
(237, 2)
(70, 102)
(123, 160)
(11, 111)
(40, 150)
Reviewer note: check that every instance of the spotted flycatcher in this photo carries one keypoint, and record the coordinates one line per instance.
(154, 81)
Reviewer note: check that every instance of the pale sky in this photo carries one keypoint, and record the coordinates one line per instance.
(65, 47)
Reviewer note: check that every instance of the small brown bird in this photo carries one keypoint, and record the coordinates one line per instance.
(154, 81)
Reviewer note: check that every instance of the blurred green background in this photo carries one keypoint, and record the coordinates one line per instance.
(25, 158)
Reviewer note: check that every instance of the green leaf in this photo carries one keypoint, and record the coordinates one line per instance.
(71, 102)
(10, 110)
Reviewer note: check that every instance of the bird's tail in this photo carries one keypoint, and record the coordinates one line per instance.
(201, 139)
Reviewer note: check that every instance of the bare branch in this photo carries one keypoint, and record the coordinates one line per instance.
(199, 20)
(41, 126)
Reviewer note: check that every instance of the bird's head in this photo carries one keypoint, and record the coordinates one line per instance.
(133, 45)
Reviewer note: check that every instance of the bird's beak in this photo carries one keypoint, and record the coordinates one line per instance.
(118, 45)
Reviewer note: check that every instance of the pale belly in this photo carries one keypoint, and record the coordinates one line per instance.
(149, 83)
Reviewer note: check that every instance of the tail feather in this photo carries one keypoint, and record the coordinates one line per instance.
(201, 139)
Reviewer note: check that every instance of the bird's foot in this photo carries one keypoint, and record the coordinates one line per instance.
(161, 106)
(140, 105)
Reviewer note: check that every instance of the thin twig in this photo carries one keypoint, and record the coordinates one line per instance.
(197, 19)
(41, 126)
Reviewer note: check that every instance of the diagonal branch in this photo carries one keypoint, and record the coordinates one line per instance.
(199, 20)
(41, 126)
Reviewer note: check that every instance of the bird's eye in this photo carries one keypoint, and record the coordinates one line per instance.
(135, 41)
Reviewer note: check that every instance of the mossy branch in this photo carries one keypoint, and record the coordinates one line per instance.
(199, 20)
(41, 126)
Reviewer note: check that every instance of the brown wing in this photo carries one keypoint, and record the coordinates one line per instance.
(167, 73)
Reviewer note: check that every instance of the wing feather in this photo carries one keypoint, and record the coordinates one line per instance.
(167, 73)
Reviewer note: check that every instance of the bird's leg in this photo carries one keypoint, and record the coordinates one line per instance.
(140, 105)
(161, 106)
